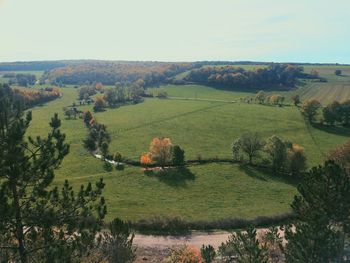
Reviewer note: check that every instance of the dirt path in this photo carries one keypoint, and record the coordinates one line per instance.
(196, 239)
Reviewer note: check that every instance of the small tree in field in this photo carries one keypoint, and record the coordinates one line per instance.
(251, 144)
(145, 160)
(337, 72)
(277, 150)
(296, 100)
(310, 109)
(178, 156)
(87, 117)
(99, 105)
(296, 159)
(160, 151)
(260, 97)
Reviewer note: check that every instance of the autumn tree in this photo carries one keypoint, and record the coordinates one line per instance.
(40, 222)
(110, 96)
(145, 160)
(310, 109)
(296, 100)
(184, 254)
(341, 155)
(100, 104)
(260, 97)
(296, 159)
(160, 151)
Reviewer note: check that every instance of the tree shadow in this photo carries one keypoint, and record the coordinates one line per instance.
(266, 174)
(337, 130)
(175, 177)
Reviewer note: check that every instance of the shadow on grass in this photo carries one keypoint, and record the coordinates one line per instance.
(266, 174)
(176, 177)
(337, 130)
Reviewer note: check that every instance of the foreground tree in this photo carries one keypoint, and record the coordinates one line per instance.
(117, 244)
(40, 222)
(245, 246)
(184, 254)
(310, 109)
(208, 253)
(323, 209)
(332, 112)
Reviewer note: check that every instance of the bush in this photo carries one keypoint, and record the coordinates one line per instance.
(184, 254)
(119, 167)
(208, 253)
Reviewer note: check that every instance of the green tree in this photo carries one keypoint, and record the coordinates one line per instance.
(110, 96)
(276, 148)
(178, 156)
(332, 112)
(337, 72)
(208, 253)
(38, 221)
(296, 100)
(87, 117)
(116, 245)
(310, 109)
(251, 144)
(345, 112)
(245, 246)
(323, 210)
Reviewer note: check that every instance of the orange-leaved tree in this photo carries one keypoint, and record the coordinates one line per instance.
(160, 151)
(145, 160)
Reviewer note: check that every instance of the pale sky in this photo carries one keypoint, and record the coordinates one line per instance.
(177, 30)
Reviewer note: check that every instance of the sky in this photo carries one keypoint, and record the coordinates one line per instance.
(176, 30)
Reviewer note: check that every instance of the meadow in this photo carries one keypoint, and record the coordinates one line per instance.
(200, 127)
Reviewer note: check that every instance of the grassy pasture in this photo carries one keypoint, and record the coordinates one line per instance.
(201, 127)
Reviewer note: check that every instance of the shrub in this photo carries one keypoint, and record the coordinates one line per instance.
(184, 254)
(208, 253)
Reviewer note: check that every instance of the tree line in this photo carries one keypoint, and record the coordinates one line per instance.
(109, 73)
(23, 80)
(230, 77)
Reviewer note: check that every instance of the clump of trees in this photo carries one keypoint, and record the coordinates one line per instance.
(235, 77)
(121, 94)
(282, 155)
(310, 109)
(71, 112)
(29, 97)
(23, 80)
(109, 73)
(40, 222)
(98, 138)
(296, 99)
(162, 152)
(274, 99)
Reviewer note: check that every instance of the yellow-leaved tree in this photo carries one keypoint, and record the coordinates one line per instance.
(160, 151)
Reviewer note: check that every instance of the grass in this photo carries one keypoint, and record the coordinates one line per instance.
(207, 192)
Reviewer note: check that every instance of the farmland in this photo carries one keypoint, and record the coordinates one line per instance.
(201, 127)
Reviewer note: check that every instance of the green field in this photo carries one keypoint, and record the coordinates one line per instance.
(200, 127)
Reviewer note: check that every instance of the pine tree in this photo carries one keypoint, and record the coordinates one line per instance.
(40, 222)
